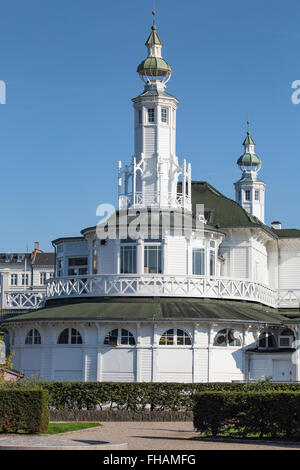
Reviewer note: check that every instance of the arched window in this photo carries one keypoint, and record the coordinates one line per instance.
(267, 340)
(228, 337)
(286, 338)
(119, 336)
(69, 336)
(175, 336)
(33, 337)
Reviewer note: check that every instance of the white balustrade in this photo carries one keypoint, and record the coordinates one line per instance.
(23, 300)
(149, 285)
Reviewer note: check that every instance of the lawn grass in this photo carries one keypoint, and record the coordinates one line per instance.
(56, 428)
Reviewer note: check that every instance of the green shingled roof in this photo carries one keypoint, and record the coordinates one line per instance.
(287, 232)
(153, 38)
(153, 309)
(154, 66)
(224, 212)
(248, 140)
(249, 159)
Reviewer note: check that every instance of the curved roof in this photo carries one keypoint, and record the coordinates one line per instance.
(249, 159)
(152, 309)
(154, 66)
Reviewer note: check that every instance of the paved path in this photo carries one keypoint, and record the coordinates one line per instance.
(166, 436)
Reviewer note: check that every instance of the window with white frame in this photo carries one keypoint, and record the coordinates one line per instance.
(164, 115)
(257, 195)
(286, 338)
(267, 340)
(152, 259)
(212, 263)
(43, 278)
(60, 267)
(228, 337)
(69, 336)
(33, 337)
(128, 259)
(25, 279)
(199, 261)
(77, 266)
(119, 336)
(13, 279)
(175, 336)
(151, 115)
(247, 195)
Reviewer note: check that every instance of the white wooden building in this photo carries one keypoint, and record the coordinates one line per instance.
(23, 278)
(210, 293)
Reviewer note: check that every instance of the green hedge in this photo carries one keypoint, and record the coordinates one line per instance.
(248, 413)
(25, 410)
(141, 396)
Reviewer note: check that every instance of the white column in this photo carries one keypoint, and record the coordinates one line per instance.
(139, 352)
(99, 355)
(154, 353)
(5, 275)
(140, 256)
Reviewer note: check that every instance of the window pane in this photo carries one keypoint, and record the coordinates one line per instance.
(151, 115)
(75, 337)
(78, 261)
(111, 337)
(164, 115)
(167, 338)
(64, 337)
(128, 260)
(212, 263)
(198, 262)
(152, 259)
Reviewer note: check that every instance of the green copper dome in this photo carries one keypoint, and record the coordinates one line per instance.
(249, 159)
(154, 67)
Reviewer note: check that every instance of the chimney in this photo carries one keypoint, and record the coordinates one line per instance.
(36, 246)
(276, 225)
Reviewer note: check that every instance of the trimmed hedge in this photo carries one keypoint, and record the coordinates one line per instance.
(264, 413)
(25, 410)
(142, 396)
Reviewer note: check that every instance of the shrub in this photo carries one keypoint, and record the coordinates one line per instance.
(23, 409)
(270, 412)
(142, 396)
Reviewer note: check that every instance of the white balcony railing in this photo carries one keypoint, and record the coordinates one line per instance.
(23, 299)
(289, 298)
(149, 285)
(154, 199)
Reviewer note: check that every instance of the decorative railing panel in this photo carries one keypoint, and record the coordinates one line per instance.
(23, 300)
(149, 285)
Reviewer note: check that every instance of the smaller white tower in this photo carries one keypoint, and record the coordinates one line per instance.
(250, 190)
(155, 171)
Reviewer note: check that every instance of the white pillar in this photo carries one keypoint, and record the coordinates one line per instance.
(140, 256)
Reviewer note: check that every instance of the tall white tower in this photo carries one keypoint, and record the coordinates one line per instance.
(154, 171)
(250, 190)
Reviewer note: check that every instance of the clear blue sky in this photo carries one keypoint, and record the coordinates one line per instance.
(70, 72)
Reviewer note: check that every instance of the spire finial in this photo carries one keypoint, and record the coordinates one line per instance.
(248, 124)
(153, 13)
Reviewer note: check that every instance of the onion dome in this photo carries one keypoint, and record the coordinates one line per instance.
(249, 160)
(154, 67)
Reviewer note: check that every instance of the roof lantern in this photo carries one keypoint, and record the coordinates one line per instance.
(154, 67)
(249, 160)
